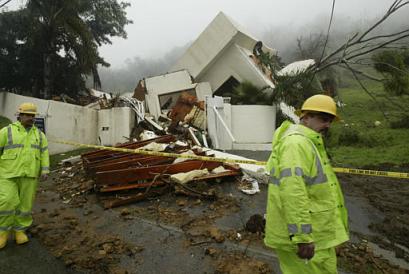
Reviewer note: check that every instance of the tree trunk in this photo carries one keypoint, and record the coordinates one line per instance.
(47, 75)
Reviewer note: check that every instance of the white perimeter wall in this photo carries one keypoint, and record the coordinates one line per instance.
(63, 121)
(253, 124)
(115, 124)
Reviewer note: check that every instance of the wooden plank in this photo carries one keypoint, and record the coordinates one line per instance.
(124, 176)
(102, 154)
(135, 197)
(133, 163)
(129, 186)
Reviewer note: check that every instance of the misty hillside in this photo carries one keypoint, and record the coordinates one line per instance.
(293, 43)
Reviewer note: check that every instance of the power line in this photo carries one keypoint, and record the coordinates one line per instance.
(5, 3)
(326, 40)
(329, 28)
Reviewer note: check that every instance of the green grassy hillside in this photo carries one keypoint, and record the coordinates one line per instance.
(369, 133)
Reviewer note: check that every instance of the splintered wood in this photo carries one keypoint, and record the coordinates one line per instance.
(121, 178)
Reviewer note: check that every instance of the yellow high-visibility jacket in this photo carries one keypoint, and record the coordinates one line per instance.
(23, 153)
(305, 202)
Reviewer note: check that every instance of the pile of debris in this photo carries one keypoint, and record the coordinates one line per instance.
(123, 178)
(186, 119)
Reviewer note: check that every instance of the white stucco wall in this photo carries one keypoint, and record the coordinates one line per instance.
(203, 89)
(63, 121)
(9, 103)
(170, 82)
(114, 125)
(253, 123)
(252, 126)
(72, 123)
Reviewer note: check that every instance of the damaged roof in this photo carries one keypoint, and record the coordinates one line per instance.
(220, 33)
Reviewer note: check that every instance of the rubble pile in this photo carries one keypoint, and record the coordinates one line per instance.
(123, 178)
(72, 185)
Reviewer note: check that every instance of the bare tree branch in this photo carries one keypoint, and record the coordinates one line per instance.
(359, 44)
(340, 49)
(362, 73)
(379, 46)
(384, 36)
(371, 64)
(396, 5)
(366, 90)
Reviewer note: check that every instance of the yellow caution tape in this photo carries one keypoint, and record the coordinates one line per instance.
(372, 172)
(233, 161)
(164, 154)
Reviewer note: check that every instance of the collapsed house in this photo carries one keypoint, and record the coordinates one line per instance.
(222, 57)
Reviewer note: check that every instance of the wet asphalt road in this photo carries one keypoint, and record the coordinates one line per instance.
(34, 258)
(30, 258)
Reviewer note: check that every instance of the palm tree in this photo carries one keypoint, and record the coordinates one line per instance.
(64, 34)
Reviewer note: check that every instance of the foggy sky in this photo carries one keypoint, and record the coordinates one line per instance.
(160, 25)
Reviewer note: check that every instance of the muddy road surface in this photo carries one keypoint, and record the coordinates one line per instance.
(175, 233)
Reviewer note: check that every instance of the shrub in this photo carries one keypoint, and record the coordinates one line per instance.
(402, 122)
(348, 137)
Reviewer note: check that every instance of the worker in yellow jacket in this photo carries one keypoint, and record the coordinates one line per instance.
(23, 160)
(306, 216)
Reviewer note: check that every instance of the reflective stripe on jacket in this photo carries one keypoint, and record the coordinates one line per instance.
(23, 153)
(305, 202)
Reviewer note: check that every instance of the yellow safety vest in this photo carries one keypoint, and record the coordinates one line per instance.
(23, 153)
(305, 202)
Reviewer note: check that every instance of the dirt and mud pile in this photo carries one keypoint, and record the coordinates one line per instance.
(391, 197)
(84, 248)
(78, 246)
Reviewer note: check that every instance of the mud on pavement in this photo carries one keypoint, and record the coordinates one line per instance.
(389, 234)
(170, 234)
(181, 234)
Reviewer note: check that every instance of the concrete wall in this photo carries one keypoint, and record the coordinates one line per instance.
(63, 121)
(115, 124)
(253, 124)
(203, 89)
(170, 82)
(9, 103)
(71, 122)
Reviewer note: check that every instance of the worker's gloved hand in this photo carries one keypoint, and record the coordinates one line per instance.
(306, 250)
(43, 177)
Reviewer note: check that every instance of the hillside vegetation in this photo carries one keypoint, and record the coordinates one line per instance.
(370, 133)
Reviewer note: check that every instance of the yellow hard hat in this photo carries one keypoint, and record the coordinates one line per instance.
(27, 108)
(319, 103)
